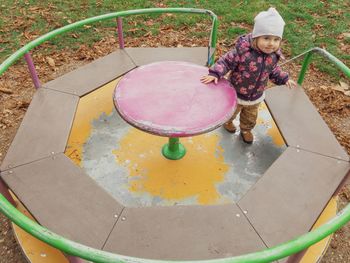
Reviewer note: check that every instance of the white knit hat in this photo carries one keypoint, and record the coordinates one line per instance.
(268, 23)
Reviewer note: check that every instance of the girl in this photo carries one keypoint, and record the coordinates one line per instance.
(252, 62)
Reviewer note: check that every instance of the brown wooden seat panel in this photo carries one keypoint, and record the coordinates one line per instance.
(44, 129)
(93, 75)
(142, 56)
(300, 123)
(64, 199)
(183, 233)
(293, 192)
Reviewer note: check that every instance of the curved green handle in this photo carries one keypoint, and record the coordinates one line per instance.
(95, 255)
(36, 42)
(339, 64)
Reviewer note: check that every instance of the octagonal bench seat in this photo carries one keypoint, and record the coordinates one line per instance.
(283, 204)
(64, 199)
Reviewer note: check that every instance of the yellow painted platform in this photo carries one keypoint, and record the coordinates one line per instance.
(135, 161)
(33, 249)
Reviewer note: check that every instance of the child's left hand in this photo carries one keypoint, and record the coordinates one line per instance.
(291, 84)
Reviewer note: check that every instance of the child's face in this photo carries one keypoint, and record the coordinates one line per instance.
(268, 44)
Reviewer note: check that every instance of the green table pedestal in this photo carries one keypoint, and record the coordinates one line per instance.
(174, 150)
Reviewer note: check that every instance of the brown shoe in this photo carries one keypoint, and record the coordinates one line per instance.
(230, 127)
(247, 136)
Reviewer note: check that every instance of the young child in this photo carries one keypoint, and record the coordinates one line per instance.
(253, 61)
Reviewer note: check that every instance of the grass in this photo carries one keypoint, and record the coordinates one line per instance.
(308, 23)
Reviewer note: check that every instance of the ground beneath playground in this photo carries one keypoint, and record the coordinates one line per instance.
(331, 98)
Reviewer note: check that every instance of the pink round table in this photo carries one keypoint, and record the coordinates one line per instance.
(167, 99)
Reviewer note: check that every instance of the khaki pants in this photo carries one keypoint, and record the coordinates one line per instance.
(248, 116)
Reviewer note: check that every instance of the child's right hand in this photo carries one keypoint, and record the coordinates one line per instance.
(207, 79)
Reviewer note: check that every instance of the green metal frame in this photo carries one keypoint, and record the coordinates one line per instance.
(174, 150)
(99, 256)
(36, 42)
(95, 255)
(308, 54)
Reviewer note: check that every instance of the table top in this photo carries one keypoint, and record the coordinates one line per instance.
(167, 99)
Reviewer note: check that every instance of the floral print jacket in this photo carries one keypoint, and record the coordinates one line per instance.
(251, 69)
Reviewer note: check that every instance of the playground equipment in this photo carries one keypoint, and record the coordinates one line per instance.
(280, 202)
(175, 103)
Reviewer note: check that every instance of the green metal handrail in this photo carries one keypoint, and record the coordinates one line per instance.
(95, 255)
(99, 256)
(36, 42)
(339, 64)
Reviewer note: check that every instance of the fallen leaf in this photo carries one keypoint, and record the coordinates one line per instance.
(6, 91)
(74, 35)
(50, 61)
(23, 104)
(344, 85)
(338, 88)
(133, 30)
(26, 35)
(149, 23)
(34, 8)
(346, 35)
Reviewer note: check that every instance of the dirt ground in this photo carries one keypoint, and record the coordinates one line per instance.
(331, 99)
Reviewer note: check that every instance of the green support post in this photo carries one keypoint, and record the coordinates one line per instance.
(339, 64)
(174, 150)
(304, 67)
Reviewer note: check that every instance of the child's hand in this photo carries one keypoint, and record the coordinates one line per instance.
(207, 79)
(291, 84)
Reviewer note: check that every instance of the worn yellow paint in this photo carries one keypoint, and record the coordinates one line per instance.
(315, 252)
(34, 249)
(273, 131)
(275, 134)
(173, 180)
(90, 107)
